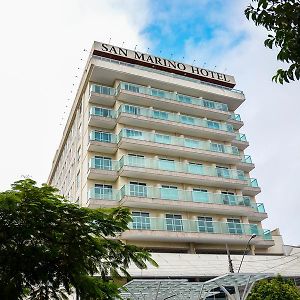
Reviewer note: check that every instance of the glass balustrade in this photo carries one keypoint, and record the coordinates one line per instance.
(104, 164)
(236, 117)
(167, 116)
(172, 96)
(252, 182)
(168, 165)
(104, 194)
(247, 159)
(100, 89)
(241, 137)
(185, 225)
(102, 112)
(105, 137)
(260, 207)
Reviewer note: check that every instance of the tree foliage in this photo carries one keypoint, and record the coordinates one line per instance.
(49, 247)
(276, 288)
(282, 19)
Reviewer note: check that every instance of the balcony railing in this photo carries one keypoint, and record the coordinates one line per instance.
(167, 116)
(172, 96)
(100, 89)
(236, 117)
(177, 141)
(100, 193)
(167, 165)
(247, 159)
(102, 112)
(104, 164)
(104, 137)
(199, 226)
(241, 137)
(252, 182)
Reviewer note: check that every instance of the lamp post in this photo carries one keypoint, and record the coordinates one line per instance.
(252, 237)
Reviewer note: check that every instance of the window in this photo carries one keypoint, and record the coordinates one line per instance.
(135, 134)
(140, 220)
(208, 104)
(200, 195)
(213, 124)
(247, 201)
(104, 163)
(136, 160)
(228, 198)
(138, 189)
(174, 222)
(205, 224)
(234, 226)
(162, 138)
(135, 110)
(131, 88)
(191, 143)
(184, 99)
(187, 120)
(166, 164)
(163, 115)
(223, 172)
(158, 93)
(195, 168)
(217, 147)
(103, 112)
(169, 192)
(103, 191)
(103, 136)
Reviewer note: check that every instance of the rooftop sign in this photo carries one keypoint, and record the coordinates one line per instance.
(155, 62)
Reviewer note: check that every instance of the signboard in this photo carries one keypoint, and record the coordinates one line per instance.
(155, 62)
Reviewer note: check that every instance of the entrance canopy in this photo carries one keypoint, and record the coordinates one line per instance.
(239, 283)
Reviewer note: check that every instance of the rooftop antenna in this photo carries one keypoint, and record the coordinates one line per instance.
(123, 44)
(214, 68)
(135, 47)
(194, 61)
(109, 40)
(204, 65)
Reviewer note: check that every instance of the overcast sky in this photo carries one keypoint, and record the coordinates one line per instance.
(41, 54)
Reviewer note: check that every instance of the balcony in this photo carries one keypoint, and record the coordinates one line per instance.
(236, 121)
(194, 201)
(138, 94)
(186, 230)
(104, 142)
(170, 171)
(103, 197)
(102, 117)
(103, 169)
(136, 140)
(240, 141)
(102, 95)
(246, 163)
(252, 188)
(171, 122)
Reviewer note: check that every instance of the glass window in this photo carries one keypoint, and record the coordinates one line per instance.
(103, 136)
(136, 160)
(169, 192)
(223, 172)
(234, 226)
(208, 104)
(131, 88)
(213, 124)
(217, 147)
(134, 110)
(138, 189)
(187, 120)
(195, 168)
(163, 115)
(103, 191)
(228, 198)
(184, 99)
(191, 143)
(162, 138)
(104, 163)
(166, 164)
(205, 224)
(254, 229)
(174, 222)
(103, 112)
(157, 93)
(140, 220)
(200, 195)
(135, 134)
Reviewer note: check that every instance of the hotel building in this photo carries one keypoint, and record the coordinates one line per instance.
(163, 139)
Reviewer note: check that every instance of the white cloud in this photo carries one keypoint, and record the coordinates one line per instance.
(270, 112)
(42, 46)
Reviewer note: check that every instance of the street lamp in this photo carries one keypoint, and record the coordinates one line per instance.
(252, 237)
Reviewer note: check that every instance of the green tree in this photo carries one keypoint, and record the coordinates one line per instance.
(276, 288)
(49, 247)
(282, 19)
